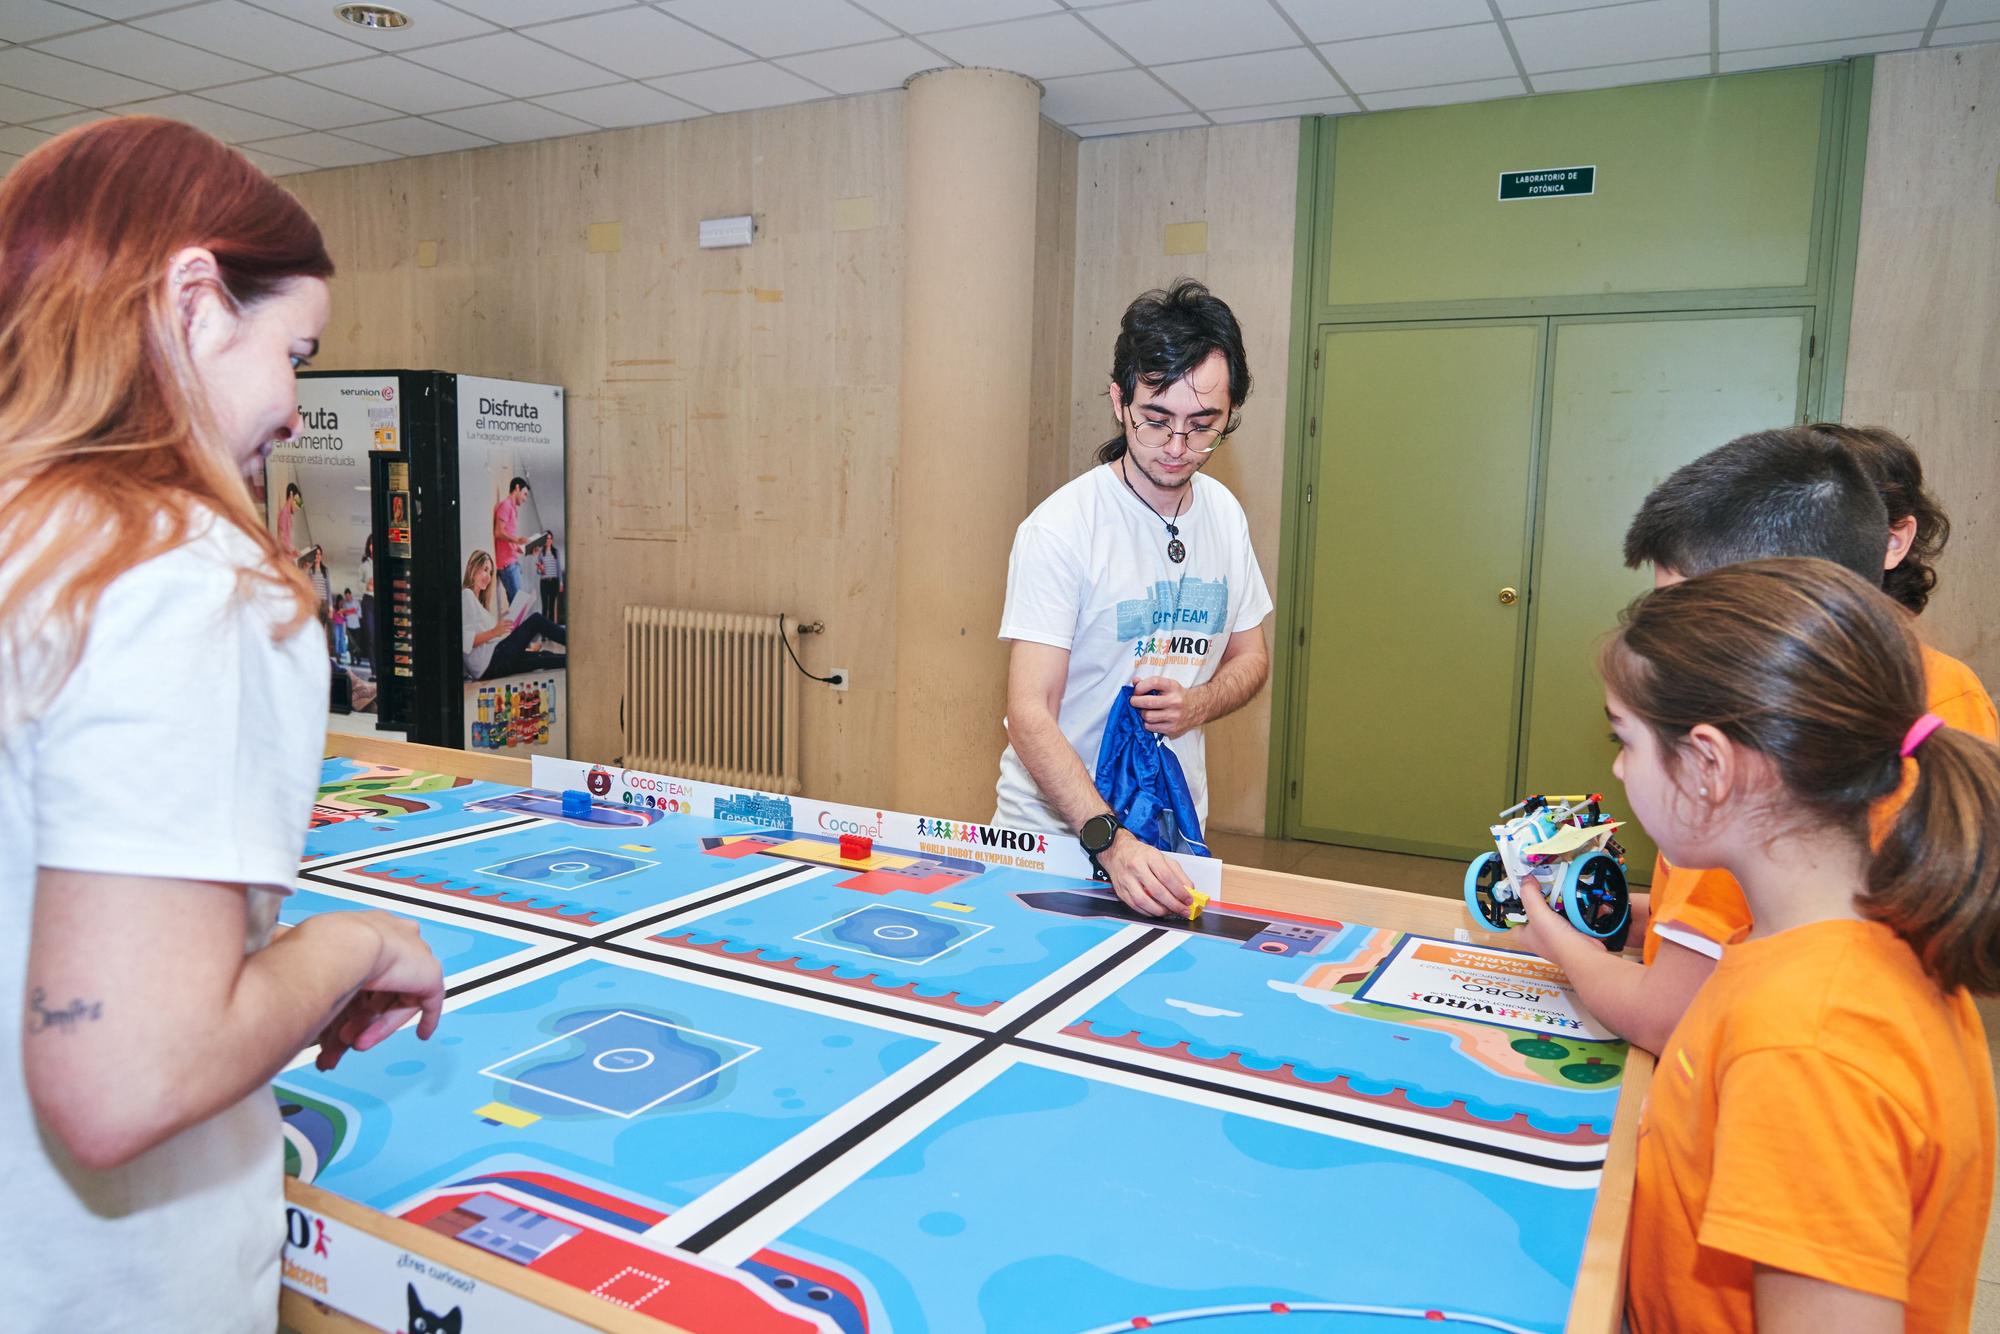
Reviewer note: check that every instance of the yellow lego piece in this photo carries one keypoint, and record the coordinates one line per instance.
(507, 1116)
(1200, 902)
(950, 906)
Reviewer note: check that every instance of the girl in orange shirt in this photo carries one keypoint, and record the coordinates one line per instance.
(1817, 1150)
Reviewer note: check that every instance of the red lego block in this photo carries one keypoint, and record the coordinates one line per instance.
(856, 848)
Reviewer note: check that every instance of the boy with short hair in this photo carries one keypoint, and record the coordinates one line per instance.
(1794, 491)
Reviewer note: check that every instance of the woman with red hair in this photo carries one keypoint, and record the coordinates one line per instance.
(163, 686)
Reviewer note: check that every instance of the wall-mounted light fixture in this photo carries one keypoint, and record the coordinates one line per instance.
(720, 233)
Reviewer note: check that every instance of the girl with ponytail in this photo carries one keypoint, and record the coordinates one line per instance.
(1818, 1145)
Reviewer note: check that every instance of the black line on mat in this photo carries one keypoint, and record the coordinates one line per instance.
(1272, 1098)
(340, 859)
(774, 1190)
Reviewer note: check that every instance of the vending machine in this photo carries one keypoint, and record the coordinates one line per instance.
(430, 508)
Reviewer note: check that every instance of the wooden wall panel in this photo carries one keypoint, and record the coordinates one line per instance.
(1242, 181)
(1055, 305)
(1924, 352)
(733, 418)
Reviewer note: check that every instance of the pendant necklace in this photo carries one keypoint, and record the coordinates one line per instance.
(1176, 549)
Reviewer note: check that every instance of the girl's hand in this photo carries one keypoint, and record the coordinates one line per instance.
(1543, 927)
(405, 982)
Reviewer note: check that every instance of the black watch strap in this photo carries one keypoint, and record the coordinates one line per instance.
(1096, 836)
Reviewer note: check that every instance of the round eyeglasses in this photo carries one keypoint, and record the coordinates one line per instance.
(1155, 435)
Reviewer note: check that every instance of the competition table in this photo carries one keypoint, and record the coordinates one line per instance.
(701, 1068)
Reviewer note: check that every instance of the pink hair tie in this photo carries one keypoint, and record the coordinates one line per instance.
(1919, 729)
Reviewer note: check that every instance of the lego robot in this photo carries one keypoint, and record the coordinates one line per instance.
(1563, 847)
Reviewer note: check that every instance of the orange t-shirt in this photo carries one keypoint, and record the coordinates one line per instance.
(1824, 1109)
(1704, 909)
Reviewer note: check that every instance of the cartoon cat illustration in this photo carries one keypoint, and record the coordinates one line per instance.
(423, 1322)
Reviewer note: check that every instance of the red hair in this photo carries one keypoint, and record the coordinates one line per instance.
(107, 452)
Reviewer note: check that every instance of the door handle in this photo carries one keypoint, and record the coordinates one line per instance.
(1508, 597)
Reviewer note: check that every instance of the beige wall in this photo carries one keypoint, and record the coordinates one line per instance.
(733, 413)
(1924, 356)
(1242, 181)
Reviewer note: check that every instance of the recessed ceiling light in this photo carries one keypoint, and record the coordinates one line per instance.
(379, 17)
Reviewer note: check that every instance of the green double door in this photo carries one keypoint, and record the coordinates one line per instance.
(1470, 488)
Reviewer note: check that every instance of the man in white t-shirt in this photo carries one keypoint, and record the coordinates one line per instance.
(1140, 573)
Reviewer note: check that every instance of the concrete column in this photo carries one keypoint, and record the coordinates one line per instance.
(969, 172)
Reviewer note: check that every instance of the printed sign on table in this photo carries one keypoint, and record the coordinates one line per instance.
(1491, 986)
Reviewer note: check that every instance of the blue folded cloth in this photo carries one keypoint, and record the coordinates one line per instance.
(1139, 774)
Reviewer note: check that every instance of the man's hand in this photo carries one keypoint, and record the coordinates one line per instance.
(1167, 707)
(1146, 879)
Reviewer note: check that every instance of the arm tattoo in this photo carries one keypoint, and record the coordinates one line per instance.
(41, 1019)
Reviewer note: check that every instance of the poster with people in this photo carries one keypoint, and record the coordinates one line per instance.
(317, 503)
(513, 540)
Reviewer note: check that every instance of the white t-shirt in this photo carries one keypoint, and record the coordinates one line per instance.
(475, 620)
(1089, 573)
(185, 745)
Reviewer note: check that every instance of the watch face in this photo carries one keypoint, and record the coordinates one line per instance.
(1097, 833)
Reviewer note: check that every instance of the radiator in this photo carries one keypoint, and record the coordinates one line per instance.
(711, 696)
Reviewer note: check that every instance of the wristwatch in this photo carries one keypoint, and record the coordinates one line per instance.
(1096, 836)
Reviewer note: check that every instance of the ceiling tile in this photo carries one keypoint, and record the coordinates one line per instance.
(32, 20)
(1186, 120)
(271, 164)
(298, 102)
(18, 107)
(229, 124)
(1478, 90)
(20, 140)
(395, 83)
(1655, 30)
(1447, 55)
(509, 63)
(1753, 23)
(867, 68)
(1041, 48)
(514, 122)
(780, 27)
(1156, 32)
(323, 150)
(1344, 20)
(638, 43)
(1617, 76)
(1120, 95)
(620, 104)
(235, 29)
(1270, 76)
(413, 137)
(141, 55)
(1968, 11)
(57, 124)
(431, 22)
(739, 87)
(1318, 106)
(1514, 9)
(37, 72)
(1972, 32)
(518, 13)
(124, 9)
(1771, 57)
(929, 16)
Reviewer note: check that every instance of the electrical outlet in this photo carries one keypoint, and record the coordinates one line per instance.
(842, 678)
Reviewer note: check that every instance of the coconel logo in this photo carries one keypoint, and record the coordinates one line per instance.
(833, 824)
